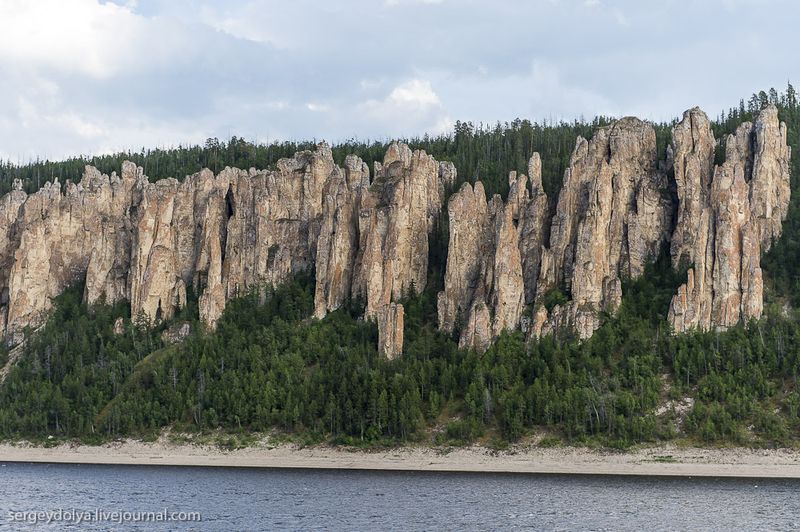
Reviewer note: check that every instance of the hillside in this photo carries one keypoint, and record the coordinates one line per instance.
(596, 357)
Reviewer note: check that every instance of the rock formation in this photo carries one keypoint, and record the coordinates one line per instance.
(534, 226)
(612, 216)
(390, 330)
(397, 213)
(55, 239)
(728, 216)
(10, 207)
(338, 239)
(223, 235)
(483, 288)
(367, 240)
(149, 242)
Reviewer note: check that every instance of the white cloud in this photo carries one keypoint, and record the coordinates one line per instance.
(411, 107)
(548, 92)
(416, 93)
(620, 17)
(616, 13)
(271, 22)
(317, 107)
(369, 84)
(240, 24)
(81, 36)
(39, 120)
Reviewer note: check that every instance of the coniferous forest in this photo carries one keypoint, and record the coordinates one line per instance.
(270, 367)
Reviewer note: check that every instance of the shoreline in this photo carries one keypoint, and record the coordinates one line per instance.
(665, 460)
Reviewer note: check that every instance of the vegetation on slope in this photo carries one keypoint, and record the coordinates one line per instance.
(268, 366)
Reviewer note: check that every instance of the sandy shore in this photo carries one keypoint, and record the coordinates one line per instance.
(663, 460)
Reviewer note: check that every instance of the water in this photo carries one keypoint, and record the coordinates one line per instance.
(236, 499)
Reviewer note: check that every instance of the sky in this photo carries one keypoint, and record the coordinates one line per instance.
(90, 77)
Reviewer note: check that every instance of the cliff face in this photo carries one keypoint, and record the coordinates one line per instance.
(368, 239)
(339, 235)
(222, 235)
(397, 211)
(611, 218)
(52, 239)
(614, 213)
(484, 291)
(731, 214)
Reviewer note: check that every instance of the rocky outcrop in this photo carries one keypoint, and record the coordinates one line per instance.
(227, 234)
(57, 236)
(507, 294)
(109, 262)
(614, 214)
(150, 242)
(468, 219)
(10, 206)
(367, 239)
(158, 282)
(483, 289)
(611, 218)
(220, 236)
(770, 184)
(728, 216)
(390, 330)
(692, 156)
(274, 220)
(208, 269)
(397, 213)
(338, 239)
(534, 226)
(177, 333)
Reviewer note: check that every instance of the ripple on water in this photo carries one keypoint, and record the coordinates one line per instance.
(231, 499)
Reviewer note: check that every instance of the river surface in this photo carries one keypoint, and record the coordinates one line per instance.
(278, 499)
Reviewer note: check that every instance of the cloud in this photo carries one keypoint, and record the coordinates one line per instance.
(416, 93)
(369, 84)
(620, 17)
(616, 13)
(409, 108)
(317, 107)
(81, 36)
(85, 76)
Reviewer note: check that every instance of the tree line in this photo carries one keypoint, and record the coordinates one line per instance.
(268, 366)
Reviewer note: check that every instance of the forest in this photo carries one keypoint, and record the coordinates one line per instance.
(269, 368)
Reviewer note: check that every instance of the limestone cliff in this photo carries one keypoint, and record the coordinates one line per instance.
(469, 216)
(397, 212)
(148, 242)
(729, 215)
(367, 238)
(338, 239)
(612, 216)
(483, 287)
(616, 210)
(10, 207)
(222, 235)
(57, 236)
(534, 226)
